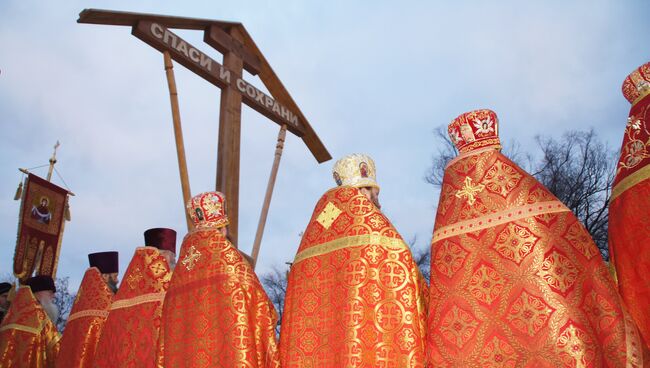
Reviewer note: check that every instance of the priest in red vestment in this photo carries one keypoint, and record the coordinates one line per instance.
(355, 297)
(516, 280)
(86, 320)
(28, 335)
(216, 313)
(130, 335)
(629, 206)
(108, 264)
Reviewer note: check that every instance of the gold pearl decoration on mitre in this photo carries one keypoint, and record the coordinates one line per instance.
(355, 170)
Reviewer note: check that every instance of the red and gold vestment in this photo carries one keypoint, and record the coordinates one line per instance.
(130, 335)
(216, 313)
(355, 297)
(516, 280)
(629, 209)
(28, 338)
(85, 323)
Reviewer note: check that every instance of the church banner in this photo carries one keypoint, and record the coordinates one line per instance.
(40, 228)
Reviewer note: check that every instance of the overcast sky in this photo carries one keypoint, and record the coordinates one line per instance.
(373, 77)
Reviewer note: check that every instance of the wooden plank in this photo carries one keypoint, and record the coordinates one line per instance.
(216, 37)
(280, 93)
(267, 75)
(162, 39)
(229, 146)
(178, 136)
(120, 18)
(267, 197)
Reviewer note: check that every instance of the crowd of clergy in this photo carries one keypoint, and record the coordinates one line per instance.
(516, 279)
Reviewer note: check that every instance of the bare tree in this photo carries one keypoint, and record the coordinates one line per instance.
(421, 257)
(577, 168)
(275, 284)
(64, 301)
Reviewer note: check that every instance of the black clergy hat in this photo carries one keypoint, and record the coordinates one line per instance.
(161, 238)
(41, 283)
(106, 262)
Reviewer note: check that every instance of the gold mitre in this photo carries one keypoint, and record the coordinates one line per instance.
(637, 85)
(355, 170)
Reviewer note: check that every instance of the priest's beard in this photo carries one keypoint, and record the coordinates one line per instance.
(112, 285)
(51, 310)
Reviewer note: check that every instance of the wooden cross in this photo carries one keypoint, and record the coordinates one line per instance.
(239, 53)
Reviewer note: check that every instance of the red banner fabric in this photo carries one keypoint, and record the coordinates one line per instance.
(40, 228)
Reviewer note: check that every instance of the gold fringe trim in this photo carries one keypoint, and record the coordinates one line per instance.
(88, 313)
(349, 242)
(23, 273)
(146, 298)
(498, 218)
(630, 181)
(15, 326)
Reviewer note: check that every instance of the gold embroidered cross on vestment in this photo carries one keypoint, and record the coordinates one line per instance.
(191, 258)
(470, 191)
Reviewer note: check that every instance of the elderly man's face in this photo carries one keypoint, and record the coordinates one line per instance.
(46, 299)
(372, 193)
(4, 300)
(170, 257)
(111, 280)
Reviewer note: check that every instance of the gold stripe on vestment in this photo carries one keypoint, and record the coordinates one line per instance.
(146, 298)
(498, 218)
(349, 242)
(88, 313)
(630, 181)
(15, 326)
(642, 95)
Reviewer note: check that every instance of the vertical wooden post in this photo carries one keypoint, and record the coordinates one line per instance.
(229, 142)
(178, 135)
(269, 192)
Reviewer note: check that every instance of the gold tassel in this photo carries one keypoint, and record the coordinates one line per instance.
(66, 212)
(19, 192)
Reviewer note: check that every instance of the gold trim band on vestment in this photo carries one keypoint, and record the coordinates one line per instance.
(349, 242)
(55, 340)
(15, 326)
(89, 313)
(643, 94)
(498, 218)
(630, 181)
(146, 298)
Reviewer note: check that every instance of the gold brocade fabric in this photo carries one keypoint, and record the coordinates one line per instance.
(355, 297)
(85, 323)
(28, 339)
(130, 335)
(516, 280)
(216, 313)
(629, 216)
